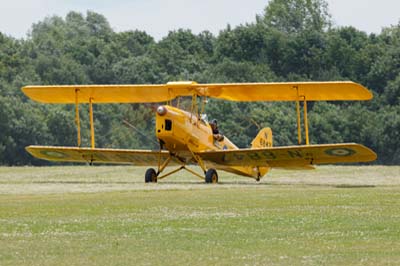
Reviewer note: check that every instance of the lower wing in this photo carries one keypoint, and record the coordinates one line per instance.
(291, 157)
(118, 156)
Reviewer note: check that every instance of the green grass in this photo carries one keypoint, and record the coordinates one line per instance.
(107, 216)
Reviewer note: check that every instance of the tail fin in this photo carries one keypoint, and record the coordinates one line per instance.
(263, 139)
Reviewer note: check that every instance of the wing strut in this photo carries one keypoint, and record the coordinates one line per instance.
(303, 97)
(298, 116)
(77, 120)
(91, 122)
(305, 120)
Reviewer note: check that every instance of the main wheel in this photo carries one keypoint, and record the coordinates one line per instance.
(211, 176)
(150, 176)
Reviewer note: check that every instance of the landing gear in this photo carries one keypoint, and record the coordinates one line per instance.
(211, 176)
(150, 176)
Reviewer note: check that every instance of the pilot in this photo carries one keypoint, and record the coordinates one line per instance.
(214, 126)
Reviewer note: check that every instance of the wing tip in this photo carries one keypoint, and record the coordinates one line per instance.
(366, 93)
(365, 154)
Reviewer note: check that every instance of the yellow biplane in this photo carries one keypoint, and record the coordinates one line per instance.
(187, 138)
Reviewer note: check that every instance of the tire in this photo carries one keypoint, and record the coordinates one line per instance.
(150, 176)
(211, 176)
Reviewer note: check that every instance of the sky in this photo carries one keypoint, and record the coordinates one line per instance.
(158, 17)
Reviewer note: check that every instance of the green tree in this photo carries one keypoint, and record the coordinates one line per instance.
(295, 16)
(231, 71)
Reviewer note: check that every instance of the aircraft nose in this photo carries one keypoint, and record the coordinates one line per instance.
(161, 110)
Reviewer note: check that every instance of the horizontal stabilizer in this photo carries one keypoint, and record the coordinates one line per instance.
(88, 155)
(292, 157)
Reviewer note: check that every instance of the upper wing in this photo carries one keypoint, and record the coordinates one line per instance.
(291, 156)
(288, 91)
(119, 156)
(98, 93)
(285, 91)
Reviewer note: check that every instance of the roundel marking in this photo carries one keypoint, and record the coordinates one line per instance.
(341, 152)
(54, 154)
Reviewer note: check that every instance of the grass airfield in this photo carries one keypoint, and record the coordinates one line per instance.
(106, 215)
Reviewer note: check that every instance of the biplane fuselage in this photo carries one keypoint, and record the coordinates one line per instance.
(184, 134)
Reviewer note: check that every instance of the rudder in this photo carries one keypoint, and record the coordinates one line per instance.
(263, 139)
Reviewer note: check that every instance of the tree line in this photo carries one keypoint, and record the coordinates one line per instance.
(290, 41)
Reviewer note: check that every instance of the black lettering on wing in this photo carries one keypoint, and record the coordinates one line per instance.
(295, 154)
(254, 156)
(238, 156)
(269, 155)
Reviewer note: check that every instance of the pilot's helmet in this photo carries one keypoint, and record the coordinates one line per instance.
(214, 121)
